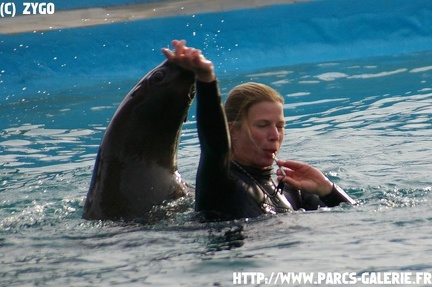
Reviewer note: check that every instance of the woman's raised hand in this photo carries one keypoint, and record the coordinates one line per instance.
(191, 59)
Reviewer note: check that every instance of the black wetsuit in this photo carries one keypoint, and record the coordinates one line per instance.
(227, 190)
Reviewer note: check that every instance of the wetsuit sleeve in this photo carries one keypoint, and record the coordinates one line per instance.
(310, 201)
(211, 190)
(336, 196)
(211, 121)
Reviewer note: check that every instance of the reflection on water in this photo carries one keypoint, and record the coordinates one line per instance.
(36, 146)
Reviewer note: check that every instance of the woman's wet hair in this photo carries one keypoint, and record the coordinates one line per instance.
(244, 96)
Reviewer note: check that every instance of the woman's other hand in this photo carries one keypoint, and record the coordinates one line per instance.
(304, 177)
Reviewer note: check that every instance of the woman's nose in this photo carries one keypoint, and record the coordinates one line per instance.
(274, 133)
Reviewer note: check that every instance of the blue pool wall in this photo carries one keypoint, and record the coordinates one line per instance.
(236, 41)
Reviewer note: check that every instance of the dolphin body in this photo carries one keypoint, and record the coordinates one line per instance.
(136, 165)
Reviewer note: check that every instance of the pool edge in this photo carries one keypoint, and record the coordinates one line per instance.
(76, 18)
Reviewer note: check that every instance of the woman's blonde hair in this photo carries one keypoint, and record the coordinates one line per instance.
(244, 96)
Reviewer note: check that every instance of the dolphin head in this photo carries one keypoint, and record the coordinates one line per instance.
(149, 119)
(136, 165)
(165, 80)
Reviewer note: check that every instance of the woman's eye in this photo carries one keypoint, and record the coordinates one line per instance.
(267, 125)
(261, 125)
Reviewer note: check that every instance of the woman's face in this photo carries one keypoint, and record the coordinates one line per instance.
(259, 136)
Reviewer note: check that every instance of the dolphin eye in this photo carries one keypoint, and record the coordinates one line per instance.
(158, 77)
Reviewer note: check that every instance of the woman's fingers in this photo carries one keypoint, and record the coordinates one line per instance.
(179, 46)
(191, 59)
(168, 53)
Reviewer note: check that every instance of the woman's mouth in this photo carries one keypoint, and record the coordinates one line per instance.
(271, 153)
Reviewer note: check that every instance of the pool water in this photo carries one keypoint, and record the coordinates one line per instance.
(365, 123)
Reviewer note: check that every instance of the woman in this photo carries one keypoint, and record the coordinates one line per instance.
(238, 148)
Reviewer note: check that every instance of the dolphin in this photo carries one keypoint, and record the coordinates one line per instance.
(136, 165)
